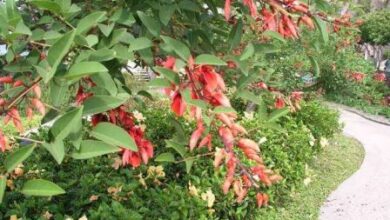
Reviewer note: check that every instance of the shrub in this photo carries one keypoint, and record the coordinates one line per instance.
(376, 28)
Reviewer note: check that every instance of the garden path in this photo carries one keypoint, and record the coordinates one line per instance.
(366, 194)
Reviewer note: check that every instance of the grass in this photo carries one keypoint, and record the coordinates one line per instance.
(333, 165)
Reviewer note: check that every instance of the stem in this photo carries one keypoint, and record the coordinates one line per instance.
(23, 93)
(28, 139)
(194, 157)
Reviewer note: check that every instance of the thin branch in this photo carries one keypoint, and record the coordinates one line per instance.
(195, 157)
(28, 139)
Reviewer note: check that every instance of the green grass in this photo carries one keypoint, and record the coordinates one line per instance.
(333, 165)
(10, 129)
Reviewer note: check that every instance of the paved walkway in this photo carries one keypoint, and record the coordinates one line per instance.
(366, 194)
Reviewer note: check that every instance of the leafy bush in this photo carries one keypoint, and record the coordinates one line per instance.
(376, 28)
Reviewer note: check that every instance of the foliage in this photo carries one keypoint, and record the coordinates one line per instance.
(376, 27)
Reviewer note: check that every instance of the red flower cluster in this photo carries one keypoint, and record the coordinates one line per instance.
(380, 76)
(357, 76)
(125, 120)
(3, 141)
(205, 84)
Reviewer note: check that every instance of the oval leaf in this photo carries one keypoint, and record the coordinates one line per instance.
(56, 149)
(3, 184)
(112, 134)
(40, 187)
(89, 21)
(64, 125)
(165, 157)
(85, 68)
(101, 103)
(150, 23)
(209, 59)
(92, 148)
(18, 156)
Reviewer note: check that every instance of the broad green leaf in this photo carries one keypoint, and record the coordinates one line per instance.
(165, 157)
(106, 29)
(140, 43)
(169, 74)
(248, 52)
(21, 28)
(145, 93)
(3, 185)
(266, 48)
(223, 109)
(166, 13)
(315, 66)
(209, 59)
(103, 54)
(274, 35)
(159, 83)
(56, 149)
(58, 51)
(179, 47)
(18, 67)
(91, 40)
(235, 35)
(89, 21)
(189, 162)
(150, 23)
(104, 80)
(112, 134)
(321, 25)
(275, 115)
(58, 89)
(181, 149)
(64, 125)
(18, 156)
(92, 148)
(85, 68)
(47, 5)
(247, 95)
(101, 103)
(40, 187)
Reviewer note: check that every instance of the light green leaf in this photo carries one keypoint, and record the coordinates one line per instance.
(47, 5)
(140, 43)
(18, 156)
(89, 21)
(150, 23)
(209, 59)
(106, 29)
(223, 109)
(169, 74)
(165, 157)
(166, 13)
(321, 25)
(112, 134)
(189, 162)
(275, 115)
(3, 185)
(248, 52)
(315, 66)
(179, 148)
(63, 126)
(247, 95)
(56, 149)
(179, 47)
(105, 80)
(92, 148)
(40, 187)
(21, 28)
(101, 103)
(85, 68)
(159, 83)
(274, 35)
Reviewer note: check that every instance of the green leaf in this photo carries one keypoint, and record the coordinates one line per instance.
(84, 68)
(266, 48)
(166, 13)
(140, 43)
(103, 54)
(196, 102)
(18, 156)
(274, 35)
(150, 23)
(106, 29)
(248, 52)
(3, 185)
(47, 5)
(58, 89)
(247, 95)
(21, 28)
(209, 59)
(275, 115)
(235, 35)
(58, 51)
(101, 103)
(89, 21)
(56, 149)
(40, 187)
(189, 162)
(223, 109)
(169, 74)
(179, 148)
(315, 66)
(179, 47)
(159, 83)
(64, 125)
(321, 25)
(112, 134)
(92, 148)
(105, 80)
(165, 157)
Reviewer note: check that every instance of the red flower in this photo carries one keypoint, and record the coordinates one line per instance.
(6, 79)
(261, 85)
(3, 141)
(380, 77)
(358, 77)
(227, 137)
(296, 95)
(196, 135)
(252, 7)
(227, 9)
(279, 103)
(269, 20)
(178, 104)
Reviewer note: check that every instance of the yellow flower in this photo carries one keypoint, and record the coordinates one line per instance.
(192, 189)
(209, 197)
